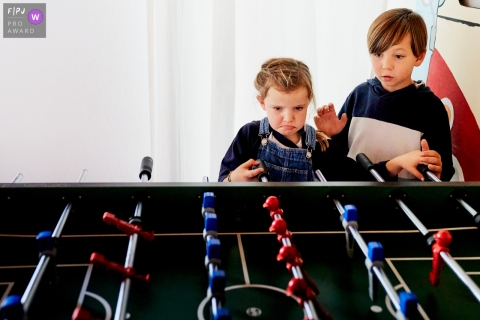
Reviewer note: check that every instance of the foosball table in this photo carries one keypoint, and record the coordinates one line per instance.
(91, 271)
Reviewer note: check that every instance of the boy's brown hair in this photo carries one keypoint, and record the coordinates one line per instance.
(392, 26)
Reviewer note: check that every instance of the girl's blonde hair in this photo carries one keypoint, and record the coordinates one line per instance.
(286, 74)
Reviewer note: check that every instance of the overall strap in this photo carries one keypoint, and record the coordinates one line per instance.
(264, 127)
(310, 137)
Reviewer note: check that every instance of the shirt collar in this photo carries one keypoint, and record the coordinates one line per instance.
(288, 143)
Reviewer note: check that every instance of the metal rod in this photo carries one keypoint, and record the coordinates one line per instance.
(382, 277)
(216, 304)
(310, 310)
(17, 178)
(412, 217)
(32, 287)
(338, 204)
(320, 176)
(121, 309)
(358, 238)
(82, 175)
(376, 175)
(297, 273)
(404, 207)
(432, 177)
(461, 274)
(467, 207)
(42, 265)
(57, 233)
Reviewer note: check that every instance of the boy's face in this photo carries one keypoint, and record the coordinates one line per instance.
(394, 66)
(286, 111)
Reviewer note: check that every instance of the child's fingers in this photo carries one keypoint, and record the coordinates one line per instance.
(249, 163)
(435, 168)
(254, 173)
(326, 108)
(424, 145)
(329, 107)
(430, 160)
(321, 110)
(430, 153)
(417, 174)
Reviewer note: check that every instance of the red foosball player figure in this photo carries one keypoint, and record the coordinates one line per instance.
(443, 238)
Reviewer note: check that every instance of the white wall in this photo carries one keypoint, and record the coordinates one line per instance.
(77, 99)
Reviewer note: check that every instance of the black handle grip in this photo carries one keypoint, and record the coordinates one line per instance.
(477, 220)
(423, 169)
(263, 174)
(146, 167)
(427, 173)
(364, 161)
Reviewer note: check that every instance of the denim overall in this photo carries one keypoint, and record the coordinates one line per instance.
(286, 165)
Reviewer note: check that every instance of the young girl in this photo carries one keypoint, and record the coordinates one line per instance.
(291, 149)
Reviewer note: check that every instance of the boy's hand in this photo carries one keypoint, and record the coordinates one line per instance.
(243, 172)
(327, 121)
(431, 158)
(410, 161)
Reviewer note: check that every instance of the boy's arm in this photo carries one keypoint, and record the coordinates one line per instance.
(335, 126)
(341, 139)
(439, 139)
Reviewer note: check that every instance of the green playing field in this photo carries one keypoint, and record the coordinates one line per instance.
(256, 282)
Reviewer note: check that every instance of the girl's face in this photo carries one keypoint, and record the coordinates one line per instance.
(286, 111)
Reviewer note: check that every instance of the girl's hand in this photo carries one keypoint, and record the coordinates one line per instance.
(327, 121)
(243, 172)
(410, 161)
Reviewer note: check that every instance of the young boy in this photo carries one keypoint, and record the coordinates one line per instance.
(290, 148)
(391, 114)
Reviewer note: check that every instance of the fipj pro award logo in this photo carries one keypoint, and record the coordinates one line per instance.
(24, 20)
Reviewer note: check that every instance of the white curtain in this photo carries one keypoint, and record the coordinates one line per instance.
(204, 55)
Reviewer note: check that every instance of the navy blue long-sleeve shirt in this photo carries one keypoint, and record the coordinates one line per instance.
(384, 125)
